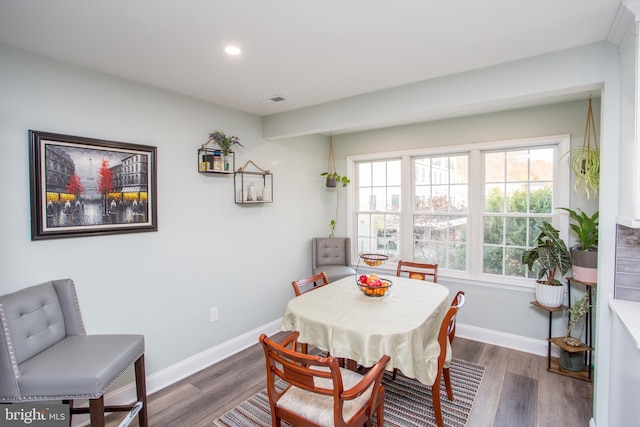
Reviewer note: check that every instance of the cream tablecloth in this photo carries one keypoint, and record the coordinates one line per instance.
(403, 324)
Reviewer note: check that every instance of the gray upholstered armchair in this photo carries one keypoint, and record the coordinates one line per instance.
(333, 256)
(45, 353)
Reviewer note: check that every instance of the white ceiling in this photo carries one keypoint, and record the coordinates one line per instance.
(307, 51)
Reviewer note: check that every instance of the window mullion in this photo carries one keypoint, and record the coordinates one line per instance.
(406, 207)
(476, 211)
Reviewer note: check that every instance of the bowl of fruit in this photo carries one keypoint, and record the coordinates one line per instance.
(372, 285)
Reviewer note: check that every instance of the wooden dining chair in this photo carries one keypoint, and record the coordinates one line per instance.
(448, 325)
(446, 333)
(310, 283)
(319, 392)
(419, 271)
(458, 302)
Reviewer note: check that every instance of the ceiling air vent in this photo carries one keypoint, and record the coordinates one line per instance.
(273, 99)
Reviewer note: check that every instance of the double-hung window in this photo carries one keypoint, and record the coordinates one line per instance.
(472, 209)
(440, 210)
(378, 212)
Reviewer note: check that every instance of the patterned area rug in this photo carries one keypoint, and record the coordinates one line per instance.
(407, 402)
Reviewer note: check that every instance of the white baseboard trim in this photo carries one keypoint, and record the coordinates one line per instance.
(195, 363)
(503, 339)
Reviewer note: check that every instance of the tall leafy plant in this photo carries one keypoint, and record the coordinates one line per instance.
(550, 255)
(585, 227)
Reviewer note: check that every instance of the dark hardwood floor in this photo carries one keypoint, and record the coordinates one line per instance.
(516, 390)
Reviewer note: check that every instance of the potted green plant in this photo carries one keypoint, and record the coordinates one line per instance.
(344, 181)
(584, 256)
(549, 257)
(331, 174)
(584, 161)
(574, 361)
(585, 164)
(225, 143)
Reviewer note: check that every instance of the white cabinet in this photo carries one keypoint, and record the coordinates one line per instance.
(629, 199)
(624, 379)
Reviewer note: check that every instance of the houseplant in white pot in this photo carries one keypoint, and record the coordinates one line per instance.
(584, 256)
(548, 258)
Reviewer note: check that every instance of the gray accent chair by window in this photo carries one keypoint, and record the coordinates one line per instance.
(333, 256)
(45, 353)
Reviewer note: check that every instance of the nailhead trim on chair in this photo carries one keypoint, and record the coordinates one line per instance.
(77, 303)
(7, 333)
(75, 396)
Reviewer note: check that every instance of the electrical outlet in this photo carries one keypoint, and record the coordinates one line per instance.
(213, 314)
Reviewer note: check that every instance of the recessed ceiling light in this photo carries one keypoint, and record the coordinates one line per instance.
(232, 50)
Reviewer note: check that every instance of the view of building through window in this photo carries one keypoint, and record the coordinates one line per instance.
(434, 218)
(441, 201)
(378, 217)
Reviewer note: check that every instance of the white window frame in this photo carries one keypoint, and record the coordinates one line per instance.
(561, 198)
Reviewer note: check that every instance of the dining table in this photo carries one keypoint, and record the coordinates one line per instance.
(403, 324)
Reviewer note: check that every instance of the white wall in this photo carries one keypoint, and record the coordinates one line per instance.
(207, 252)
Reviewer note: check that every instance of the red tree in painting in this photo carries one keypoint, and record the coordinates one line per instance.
(74, 186)
(105, 183)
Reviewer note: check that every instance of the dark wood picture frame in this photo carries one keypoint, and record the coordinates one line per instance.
(90, 187)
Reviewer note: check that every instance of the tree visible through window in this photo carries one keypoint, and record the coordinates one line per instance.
(518, 197)
(440, 209)
(473, 211)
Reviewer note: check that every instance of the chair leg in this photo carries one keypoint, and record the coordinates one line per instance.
(380, 409)
(435, 396)
(141, 391)
(395, 374)
(70, 402)
(447, 383)
(96, 411)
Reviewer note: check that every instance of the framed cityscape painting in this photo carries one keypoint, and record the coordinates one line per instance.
(88, 187)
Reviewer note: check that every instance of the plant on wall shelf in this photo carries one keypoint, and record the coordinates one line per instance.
(577, 311)
(224, 142)
(584, 161)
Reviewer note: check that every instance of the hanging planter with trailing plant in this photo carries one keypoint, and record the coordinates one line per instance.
(333, 178)
(585, 161)
(331, 174)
